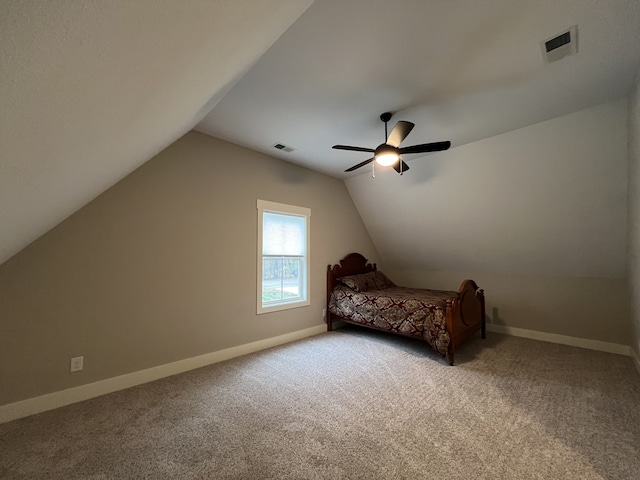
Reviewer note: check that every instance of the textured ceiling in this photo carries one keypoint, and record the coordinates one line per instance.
(461, 70)
(91, 90)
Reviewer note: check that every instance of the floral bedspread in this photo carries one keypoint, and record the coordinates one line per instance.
(408, 311)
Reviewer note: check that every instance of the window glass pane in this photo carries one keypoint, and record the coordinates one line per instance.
(271, 279)
(281, 279)
(283, 234)
(291, 277)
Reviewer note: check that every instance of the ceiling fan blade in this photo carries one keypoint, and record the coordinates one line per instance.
(426, 147)
(399, 133)
(355, 149)
(404, 168)
(361, 164)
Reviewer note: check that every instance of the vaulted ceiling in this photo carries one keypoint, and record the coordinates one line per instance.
(91, 90)
(461, 70)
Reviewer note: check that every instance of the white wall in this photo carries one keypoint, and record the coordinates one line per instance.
(536, 216)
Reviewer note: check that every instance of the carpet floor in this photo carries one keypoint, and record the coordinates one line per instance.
(352, 404)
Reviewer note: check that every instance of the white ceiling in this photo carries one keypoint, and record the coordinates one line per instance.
(461, 70)
(91, 90)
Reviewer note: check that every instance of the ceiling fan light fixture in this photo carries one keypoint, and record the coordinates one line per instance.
(387, 159)
(386, 155)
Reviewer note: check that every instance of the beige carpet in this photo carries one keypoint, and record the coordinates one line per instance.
(353, 404)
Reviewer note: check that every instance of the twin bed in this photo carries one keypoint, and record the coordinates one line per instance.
(358, 293)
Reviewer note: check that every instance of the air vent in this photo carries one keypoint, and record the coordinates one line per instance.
(561, 45)
(283, 147)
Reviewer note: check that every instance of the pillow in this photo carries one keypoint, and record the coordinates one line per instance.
(367, 281)
(382, 281)
(359, 283)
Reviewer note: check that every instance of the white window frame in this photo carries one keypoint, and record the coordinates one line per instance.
(283, 209)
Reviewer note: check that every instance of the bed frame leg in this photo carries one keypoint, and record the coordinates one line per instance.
(483, 328)
(450, 328)
(329, 322)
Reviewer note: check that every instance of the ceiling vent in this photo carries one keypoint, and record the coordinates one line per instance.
(561, 45)
(284, 148)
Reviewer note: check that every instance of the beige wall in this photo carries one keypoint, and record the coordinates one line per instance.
(634, 215)
(590, 308)
(536, 216)
(162, 267)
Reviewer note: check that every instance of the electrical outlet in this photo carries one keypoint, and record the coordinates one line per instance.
(76, 365)
(324, 313)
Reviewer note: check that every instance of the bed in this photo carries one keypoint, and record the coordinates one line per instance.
(359, 294)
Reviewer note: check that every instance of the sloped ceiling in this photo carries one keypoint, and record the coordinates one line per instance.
(535, 181)
(90, 90)
(461, 70)
(544, 200)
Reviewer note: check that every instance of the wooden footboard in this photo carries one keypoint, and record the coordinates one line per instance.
(465, 315)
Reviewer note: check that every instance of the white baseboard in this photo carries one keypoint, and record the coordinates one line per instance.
(50, 401)
(562, 339)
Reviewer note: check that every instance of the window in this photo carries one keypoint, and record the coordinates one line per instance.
(283, 256)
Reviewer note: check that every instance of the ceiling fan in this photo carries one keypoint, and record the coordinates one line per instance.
(389, 153)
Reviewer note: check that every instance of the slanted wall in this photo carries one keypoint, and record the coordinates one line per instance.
(537, 216)
(162, 267)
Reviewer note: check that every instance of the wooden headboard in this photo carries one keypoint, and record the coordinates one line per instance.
(352, 264)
